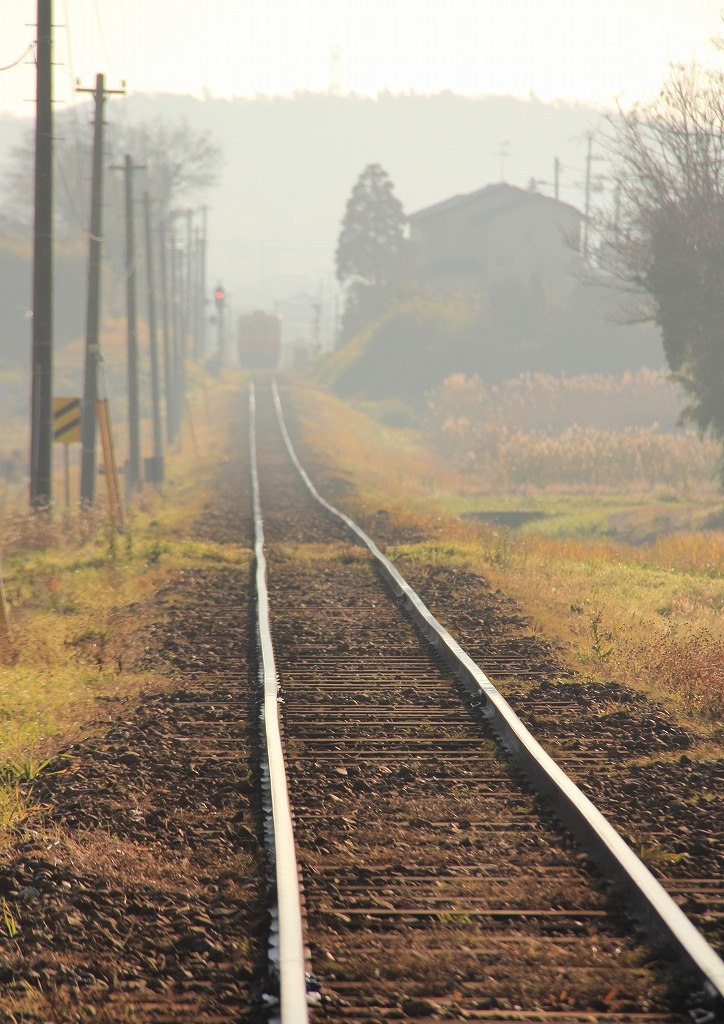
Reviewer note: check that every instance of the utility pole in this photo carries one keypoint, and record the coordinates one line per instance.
(134, 460)
(220, 300)
(175, 329)
(202, 281)
(167, 332)
(197, 295)
(617, 212)
(180, 346)
(556, 177)
(190, 328)
(41, 431)
(587, 204)
(92, 347)
(153, 345)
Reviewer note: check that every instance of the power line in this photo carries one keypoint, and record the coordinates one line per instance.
(74, 106)
(103, 38)
(21, 58)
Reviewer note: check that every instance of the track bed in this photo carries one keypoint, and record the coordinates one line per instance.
(436, 886)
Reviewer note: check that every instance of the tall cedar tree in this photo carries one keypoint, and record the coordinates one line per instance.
(667, 240)
(371, 243)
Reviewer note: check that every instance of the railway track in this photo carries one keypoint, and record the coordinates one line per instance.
(437, 883)
(430, 881)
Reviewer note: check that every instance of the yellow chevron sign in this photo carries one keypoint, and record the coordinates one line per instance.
(66, 418)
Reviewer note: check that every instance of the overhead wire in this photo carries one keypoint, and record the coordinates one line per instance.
(76, 125)
(99, 24)
(21, 58)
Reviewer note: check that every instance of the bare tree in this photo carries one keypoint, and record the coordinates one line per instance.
(666, 239)
(181, 162)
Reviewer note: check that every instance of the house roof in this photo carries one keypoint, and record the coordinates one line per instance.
(491, 201)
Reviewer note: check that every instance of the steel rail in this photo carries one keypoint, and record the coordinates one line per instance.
(290, 956)
(650, 906)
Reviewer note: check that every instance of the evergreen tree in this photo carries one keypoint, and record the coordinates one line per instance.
(372, 242)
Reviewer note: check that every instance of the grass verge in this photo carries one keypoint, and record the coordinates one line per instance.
(645, 614)
(81, 595)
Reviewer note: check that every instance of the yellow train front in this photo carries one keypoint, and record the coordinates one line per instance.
(260, 341)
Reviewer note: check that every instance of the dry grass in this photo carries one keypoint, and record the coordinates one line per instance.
(80, 594)
(648, 615)
(589, 431)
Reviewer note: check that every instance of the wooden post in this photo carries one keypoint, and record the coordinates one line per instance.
(4, 614)
(67, 474)
(115, 500)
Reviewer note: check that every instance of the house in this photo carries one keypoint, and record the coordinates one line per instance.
(494, 233)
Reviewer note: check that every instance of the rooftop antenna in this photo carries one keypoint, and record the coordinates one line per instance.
(335, 71)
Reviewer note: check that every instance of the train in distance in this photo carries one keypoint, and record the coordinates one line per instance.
(260, 340)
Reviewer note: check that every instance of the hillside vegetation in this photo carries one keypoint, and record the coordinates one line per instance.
(424, 337)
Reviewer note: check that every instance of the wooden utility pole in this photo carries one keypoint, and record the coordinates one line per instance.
(153, 345)
(92, 347)
(134, 454)
(41, 431)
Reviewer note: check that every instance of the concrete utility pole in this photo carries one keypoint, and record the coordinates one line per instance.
(175, 330)
(587, 202)
(41, 431)
(189, 330)
(202, 282)
(92, 347)
(134, 459)
(153, 345)
(167, 332)
(220, 300)
(180, 344)
(197, 295)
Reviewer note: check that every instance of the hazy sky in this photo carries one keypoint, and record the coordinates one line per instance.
(592, 50)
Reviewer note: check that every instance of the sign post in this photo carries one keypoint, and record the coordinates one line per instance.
(66, 430)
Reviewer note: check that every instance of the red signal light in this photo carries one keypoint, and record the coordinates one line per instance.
(219, 294)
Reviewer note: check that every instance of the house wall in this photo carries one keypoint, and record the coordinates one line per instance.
(532, 241)
(527, 240)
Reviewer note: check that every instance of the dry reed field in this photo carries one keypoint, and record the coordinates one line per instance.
(585, 432)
